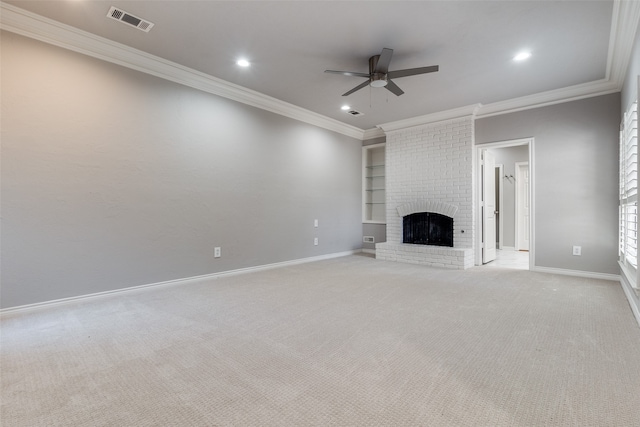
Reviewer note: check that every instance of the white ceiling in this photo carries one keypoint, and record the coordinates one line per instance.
(291, 43)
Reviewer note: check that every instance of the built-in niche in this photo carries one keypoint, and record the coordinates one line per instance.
(374, 184)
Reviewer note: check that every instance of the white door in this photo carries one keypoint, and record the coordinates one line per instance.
(488, 207)
(522, 206)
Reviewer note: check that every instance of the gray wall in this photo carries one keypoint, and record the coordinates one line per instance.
(508, 158)
(113, 178)
(576, 178)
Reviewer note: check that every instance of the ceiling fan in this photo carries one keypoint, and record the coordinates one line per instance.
(379, 74)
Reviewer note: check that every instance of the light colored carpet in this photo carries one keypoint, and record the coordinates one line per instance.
(350, 341)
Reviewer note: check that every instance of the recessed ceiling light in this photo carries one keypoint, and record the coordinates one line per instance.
(243, 63)
(345, 107)
(522, 56)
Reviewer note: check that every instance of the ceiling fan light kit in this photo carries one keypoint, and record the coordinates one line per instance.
(379, 74)
(378, 80)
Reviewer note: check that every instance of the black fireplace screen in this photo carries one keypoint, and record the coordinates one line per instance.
(427, 228)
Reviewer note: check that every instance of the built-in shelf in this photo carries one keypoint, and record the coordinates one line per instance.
(373, 183)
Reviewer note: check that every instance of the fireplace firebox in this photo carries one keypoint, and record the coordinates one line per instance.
(427, 228)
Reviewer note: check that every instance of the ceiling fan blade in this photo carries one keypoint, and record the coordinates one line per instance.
(360, 86)
(383, 62)
(348, 73)
(393, 88)
(412, 72)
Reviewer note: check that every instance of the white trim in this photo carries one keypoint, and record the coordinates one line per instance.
(629, 273)
(519, 165)
(624, 24)
(532, 207)
(551, 97)
(630, 293)
(500, 242)
(49, 31)
(456, 113)
(577, 273)
(40, 305)
(477, 191)
(369, 251)
(373, 133)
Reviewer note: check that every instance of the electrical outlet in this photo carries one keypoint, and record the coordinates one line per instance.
(315, 241)
(315, 222)
(577, 250)
(217, 252)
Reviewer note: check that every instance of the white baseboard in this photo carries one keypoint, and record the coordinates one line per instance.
(369, 251)
(46, 304)
(630, 293)
(577, 273)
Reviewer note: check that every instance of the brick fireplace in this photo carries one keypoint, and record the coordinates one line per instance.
(430, 168)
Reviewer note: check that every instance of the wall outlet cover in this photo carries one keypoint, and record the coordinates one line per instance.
(577, 250)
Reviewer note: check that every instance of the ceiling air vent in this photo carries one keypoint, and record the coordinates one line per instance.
(355, 113)
(127, 18)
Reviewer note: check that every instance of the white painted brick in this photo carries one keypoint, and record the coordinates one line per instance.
(432, 162)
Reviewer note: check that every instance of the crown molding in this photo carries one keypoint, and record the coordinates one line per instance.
(37, 27)
(624, 24)
(456, 113)
(373, 133)
(537, 100)
(543, 99)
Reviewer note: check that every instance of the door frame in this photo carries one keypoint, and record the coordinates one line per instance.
(519, 165)
(500, 168)
(489, 223)
(530, 142)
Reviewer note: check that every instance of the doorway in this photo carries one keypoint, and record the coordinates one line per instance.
(505, 214)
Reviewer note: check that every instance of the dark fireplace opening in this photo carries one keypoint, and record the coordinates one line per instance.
(427, 228)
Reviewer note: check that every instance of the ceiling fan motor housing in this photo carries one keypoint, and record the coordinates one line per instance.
(376, 79)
